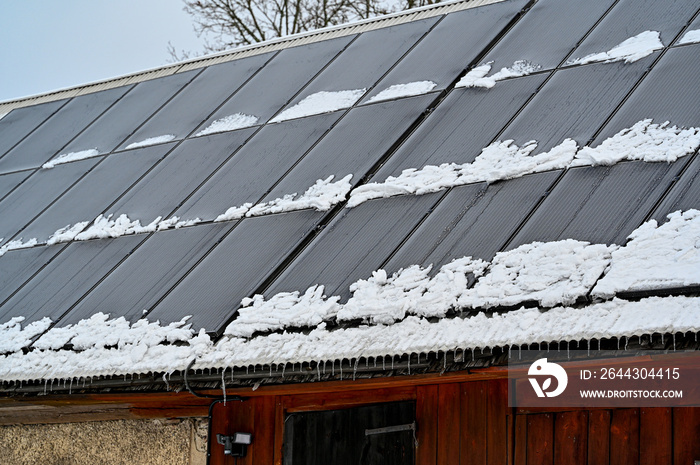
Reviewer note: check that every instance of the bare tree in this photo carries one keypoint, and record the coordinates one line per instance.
(228, 23)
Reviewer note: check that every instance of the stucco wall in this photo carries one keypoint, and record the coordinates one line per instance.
(172, 442)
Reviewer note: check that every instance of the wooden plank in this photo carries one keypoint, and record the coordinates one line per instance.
(497, 407)
(686, 435)
(448, 424)
(219, 425)
(427, 419)
(264, 435)
(599, 437)
(520, 440)
(330, 401)
(540, 439)
(279, 430)
(624, 437)
(571, 437)
(474, 420)
(655, 435)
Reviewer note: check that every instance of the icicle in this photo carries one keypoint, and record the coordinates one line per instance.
(589, 347)
(392, 363)
(354, 369)
(333, 368)
(627, 340)
(510, 350)
(51, 385)
(46, 383)
(383, 362)
(520, 353)
(270, 370)
(567, 350)
(223, 384)
(375, 362)
(318, 371)
(341, 369)
(674, 341)
(70, 388)
(324, 367)
(409, 364)
(444, 361)
(618, 343)
(662, 338)
(284, 368)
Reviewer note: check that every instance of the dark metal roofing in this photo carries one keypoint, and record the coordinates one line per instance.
(206, 269)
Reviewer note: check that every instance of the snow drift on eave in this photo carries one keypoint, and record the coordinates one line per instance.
(552, 273)
(114, 347)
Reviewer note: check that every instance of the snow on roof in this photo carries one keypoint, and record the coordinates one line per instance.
(395, 311)
(633, 49)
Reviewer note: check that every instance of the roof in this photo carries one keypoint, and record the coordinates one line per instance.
(520, 172)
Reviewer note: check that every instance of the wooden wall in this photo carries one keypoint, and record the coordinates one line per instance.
(470, 423)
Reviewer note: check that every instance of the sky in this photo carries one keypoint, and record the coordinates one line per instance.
(47, 45)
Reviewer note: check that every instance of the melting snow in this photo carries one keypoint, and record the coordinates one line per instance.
(67, 233)
(644, 141)
(477, 76)
(69, 157)
(17, 244)
(114, 347)
(229, 123)
(690, 37)
(656, 257)
(322, 196)
(151, 141)
(103, 228)
(403, 90)
(503, 160)
(633, 49)
(383, 300)
(14, 337)
(321, 102)
(550, 273)
(286, 309)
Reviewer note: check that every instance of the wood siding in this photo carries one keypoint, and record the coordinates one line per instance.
(470, 423)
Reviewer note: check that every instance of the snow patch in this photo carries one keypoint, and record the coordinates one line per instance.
(633, 49)
(550, 273)
(410, 291)
(644, 141)
(67, 233)
(502, 160)
(690, 37)
(403, 90)
(175, 223)
(322, 196)
(234, 213)
(656, 257)
(321, 102)
(229, 123)
(13, 338)
(151, 141)
(69, 157)
(286, 309)
(104, 227)
(477, 76)
(17, 244)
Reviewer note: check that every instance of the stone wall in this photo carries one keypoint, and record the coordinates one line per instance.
(156, 442)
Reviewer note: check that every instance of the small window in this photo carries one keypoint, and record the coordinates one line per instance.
(380, 434)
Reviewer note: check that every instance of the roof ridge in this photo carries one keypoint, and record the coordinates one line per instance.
(279, 43)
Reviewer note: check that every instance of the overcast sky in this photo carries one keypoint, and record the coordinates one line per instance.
(51, 44)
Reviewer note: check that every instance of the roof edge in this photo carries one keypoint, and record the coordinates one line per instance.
(246, 51)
